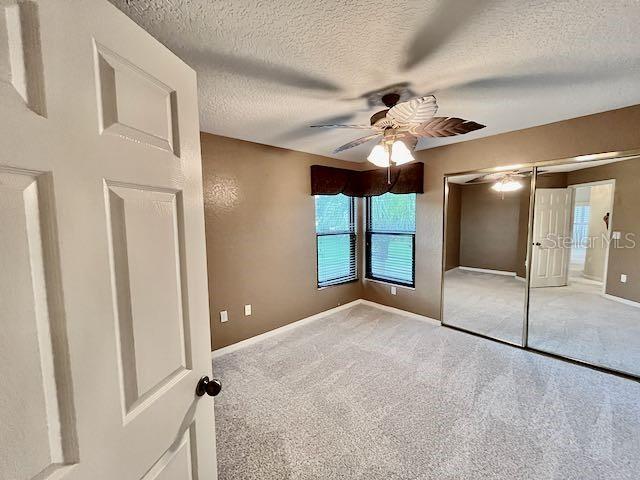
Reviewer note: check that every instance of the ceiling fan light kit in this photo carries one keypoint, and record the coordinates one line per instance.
(379, 156)
(400, 154)
(388, 152)
(400, 125)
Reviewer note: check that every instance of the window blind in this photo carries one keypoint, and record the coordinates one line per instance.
(336, 239)
(391, 228)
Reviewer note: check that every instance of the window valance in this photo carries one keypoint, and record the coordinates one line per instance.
(407, 178)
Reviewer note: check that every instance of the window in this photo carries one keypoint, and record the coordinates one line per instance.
(581, 216)
(336, 239)
(391, 232)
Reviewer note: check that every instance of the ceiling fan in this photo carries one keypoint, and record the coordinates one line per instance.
(503, 182)
(400, 125)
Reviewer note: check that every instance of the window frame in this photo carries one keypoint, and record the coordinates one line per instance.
(353, 240)
(368, 239)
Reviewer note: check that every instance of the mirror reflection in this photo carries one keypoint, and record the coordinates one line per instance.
(486, 239)
(585, 263)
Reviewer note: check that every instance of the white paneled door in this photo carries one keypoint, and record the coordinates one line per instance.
(104, 322)
(551, 247)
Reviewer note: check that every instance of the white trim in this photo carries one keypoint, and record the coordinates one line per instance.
(290, 326)
(486, 270)
(304, 321)
(398, 311)
(382, 282)
(631, 303)
(521, 279)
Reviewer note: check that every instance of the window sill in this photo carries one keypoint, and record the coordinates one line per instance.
(382, 282)
(339, 284)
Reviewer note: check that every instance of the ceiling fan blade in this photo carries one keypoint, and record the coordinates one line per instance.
(359, 127)
(449, 17)
(304, 130)
(356, 142)
(374, 97)
(414, 111)
(444, 127)
(260, 70)
(480, 179)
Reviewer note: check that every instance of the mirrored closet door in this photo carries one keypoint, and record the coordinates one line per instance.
(584, 300)
(485, 252)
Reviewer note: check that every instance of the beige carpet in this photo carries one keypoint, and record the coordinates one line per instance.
(575, 321)
(369, 395)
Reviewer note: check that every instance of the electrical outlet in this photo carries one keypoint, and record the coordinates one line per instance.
(247, 310)
(224, 317)
(394, 291)
(623, 278)
(616, 236)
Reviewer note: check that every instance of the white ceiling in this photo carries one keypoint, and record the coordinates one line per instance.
(268, 69)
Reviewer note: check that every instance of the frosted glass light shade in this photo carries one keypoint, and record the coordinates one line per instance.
(400, 154)
(379, 156)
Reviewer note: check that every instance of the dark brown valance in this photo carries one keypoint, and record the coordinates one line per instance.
(407, 178)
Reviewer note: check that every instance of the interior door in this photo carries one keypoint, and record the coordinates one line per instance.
(103, 285)
(551, 237)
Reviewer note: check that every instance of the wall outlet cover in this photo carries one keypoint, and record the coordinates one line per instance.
(224, 316)
(616, 236)
(247, 310)
(623, 278)
(394, 291)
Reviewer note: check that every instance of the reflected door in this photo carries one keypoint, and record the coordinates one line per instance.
(551, 247)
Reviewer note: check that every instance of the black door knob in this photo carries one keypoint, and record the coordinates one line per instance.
(210, 387)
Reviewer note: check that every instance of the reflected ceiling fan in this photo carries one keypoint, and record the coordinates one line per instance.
(400, 125)
(502, 181)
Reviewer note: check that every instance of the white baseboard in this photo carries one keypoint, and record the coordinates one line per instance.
(399, 311)
(631, 303)
(521, 279)
(486, 270)
(276, 331)
(304, 321)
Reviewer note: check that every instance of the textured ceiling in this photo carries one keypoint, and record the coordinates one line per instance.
(268, 69)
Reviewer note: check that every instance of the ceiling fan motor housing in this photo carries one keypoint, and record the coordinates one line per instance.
(390, 99)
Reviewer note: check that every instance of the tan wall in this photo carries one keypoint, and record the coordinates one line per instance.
(489, 228)
(261, 246)
(615, 130)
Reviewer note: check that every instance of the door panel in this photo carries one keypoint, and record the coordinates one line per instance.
(37, 434)
(149, 363)
(100, 182)
(551, 237)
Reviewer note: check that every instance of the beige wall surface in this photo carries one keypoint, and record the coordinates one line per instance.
(261, 244)
(489, 228)
(615, 130)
